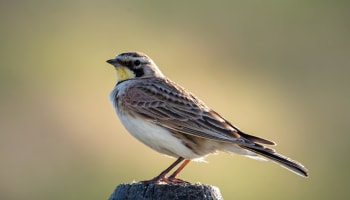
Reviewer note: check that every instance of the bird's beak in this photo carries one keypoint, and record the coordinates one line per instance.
(111, 61)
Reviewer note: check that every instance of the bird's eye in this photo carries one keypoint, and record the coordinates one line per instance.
(137, 62)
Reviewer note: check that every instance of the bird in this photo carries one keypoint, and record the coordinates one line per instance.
(171, 120)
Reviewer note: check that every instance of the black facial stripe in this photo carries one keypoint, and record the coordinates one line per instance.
(128, 64)
(138, 72)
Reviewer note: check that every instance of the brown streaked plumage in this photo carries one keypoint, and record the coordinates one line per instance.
(172, 121)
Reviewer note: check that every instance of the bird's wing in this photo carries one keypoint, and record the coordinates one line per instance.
(167, 104)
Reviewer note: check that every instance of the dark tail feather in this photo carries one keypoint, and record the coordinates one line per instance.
(278, 158)
(257, 139)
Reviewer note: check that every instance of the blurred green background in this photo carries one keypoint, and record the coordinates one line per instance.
(276, 69)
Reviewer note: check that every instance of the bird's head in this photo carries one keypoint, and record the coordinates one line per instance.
(131, 65)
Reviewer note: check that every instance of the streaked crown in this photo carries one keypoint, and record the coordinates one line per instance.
(134, 65)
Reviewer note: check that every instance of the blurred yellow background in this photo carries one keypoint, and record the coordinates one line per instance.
(276, 69)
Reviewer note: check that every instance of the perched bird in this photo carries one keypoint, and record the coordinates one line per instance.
(169, 119)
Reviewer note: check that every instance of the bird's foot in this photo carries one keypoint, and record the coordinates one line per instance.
(160, 180)
(176, 180)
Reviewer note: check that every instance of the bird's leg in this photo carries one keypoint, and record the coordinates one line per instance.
(172, 178)
(161, 176)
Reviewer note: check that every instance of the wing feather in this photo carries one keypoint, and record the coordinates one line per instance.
(167, 104)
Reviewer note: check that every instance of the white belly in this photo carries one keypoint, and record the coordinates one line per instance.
(156, 137)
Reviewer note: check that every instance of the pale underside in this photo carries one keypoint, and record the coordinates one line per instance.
(163, 141)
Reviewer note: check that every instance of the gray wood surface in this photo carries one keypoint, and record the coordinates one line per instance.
(140, 191)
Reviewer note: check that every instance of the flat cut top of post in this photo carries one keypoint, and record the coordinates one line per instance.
(176, 191)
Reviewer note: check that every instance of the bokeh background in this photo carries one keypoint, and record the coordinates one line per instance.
(276, 69)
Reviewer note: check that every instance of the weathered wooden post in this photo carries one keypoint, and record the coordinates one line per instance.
(177, 191)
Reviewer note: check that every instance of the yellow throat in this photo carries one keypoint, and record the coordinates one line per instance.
(124, 73)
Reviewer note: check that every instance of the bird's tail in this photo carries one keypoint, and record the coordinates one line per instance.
(278, 158)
